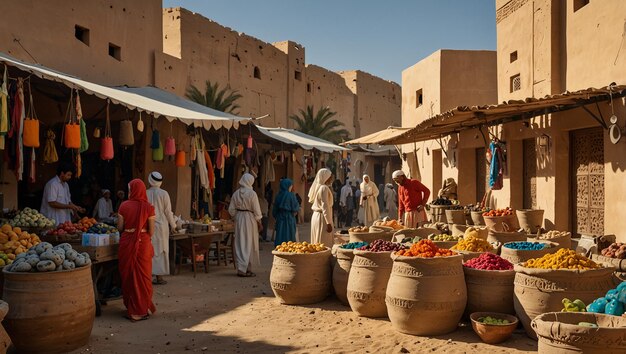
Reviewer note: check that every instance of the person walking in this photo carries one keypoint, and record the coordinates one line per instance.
(369, 201)
(412, 198)
(321, 196)
(163, 223)
(346, 201)
(136, 220)
(284, 212)
(245, 209)
(391, 201)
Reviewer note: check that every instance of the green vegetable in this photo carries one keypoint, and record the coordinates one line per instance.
(493, 321)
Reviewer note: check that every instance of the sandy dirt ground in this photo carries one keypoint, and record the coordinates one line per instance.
(219, 312)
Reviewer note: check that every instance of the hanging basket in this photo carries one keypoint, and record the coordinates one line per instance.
(31, 132)
(106, 148)
(180, 159)
(127, 137)
(157, 154)
(72, 136)
(170, 146)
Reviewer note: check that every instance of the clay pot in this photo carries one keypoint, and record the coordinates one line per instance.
(367, 283)
(341, 270)
(530, 220)
(505, 237)
(301, 278)
(564, 241)
(559, 333)
(458, 229)
(519, 256)
(467, 255)
(489, 290)
(538, 291)
(455, 217)
(438, 213)
(445, 244)
(493, 334)
(50, 312)
(477, 218)
(368, 237)
(501, 223)
(5, 340)
(426, 296)
(618, 264)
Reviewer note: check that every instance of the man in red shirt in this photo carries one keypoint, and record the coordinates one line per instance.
(412, 197)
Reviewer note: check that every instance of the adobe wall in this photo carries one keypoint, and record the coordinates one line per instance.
(46, 29)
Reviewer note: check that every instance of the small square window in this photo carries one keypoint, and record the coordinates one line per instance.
(513, 56)
(298, 75)
(516, 83)
(115, 51)
(578, 4)
(82, 34)
(419, 98)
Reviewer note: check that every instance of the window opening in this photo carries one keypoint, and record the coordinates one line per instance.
(82, 34)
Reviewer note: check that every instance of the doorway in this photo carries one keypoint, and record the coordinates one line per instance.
(437, 173)
(481, 173)
(529, 187)
(587, 186)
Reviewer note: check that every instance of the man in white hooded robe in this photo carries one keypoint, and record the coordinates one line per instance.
(321, 198)
(160, 199)
(369, 201)
(245, 209)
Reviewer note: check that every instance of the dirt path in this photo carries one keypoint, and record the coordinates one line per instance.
(221, 313)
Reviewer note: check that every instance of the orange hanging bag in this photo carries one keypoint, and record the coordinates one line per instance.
(30, 135)
(106, 146)
(71, 132)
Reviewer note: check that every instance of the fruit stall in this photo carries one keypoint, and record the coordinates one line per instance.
(508, 275)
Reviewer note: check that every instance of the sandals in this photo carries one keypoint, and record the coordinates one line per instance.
(159, 282)
(246, 275)
(143, 318)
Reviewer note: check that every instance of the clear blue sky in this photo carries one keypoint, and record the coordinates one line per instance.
(376, 36)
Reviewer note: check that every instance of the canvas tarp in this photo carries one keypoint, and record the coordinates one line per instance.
(147, 99)
(294, 137)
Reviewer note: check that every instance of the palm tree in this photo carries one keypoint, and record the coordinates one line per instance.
(320, 124)
(221, 100)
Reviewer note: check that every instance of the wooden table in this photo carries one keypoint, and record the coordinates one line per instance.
(206, 238)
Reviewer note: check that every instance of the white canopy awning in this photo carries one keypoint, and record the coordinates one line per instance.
(294, 137)
(144, 99)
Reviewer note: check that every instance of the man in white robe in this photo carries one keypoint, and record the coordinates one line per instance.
(104, 206)
(391, 203)
(246, 211)
(369, 201)
(160, 199)
(321, 196)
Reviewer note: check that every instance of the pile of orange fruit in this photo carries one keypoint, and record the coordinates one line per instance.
(499, 212)
(425, 249)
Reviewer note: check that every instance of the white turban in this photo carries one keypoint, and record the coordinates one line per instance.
(105, 191)
(155, 179)
(397, 173)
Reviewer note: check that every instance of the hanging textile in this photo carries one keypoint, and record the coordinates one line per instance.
(210, 170)
(225, 154)
(50, 151)
(496, 172)
(201, 164)
(84, 143)
(17, 118)
(32, 170)
(268, 170)
(4, 109)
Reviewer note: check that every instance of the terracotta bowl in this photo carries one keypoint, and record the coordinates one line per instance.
(493, 334)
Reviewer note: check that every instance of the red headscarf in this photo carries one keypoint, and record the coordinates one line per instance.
(137, 191)
(137, 196)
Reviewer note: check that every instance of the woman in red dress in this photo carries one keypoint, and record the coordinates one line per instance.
(136, 219)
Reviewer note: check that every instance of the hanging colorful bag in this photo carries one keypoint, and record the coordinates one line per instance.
(170, 146)
(127, 137)
(71, 132)
(180, 158)
(30, 134)
(50, 151)
(157, 154)
(84, 142)
(106, 146)
(155, 140)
